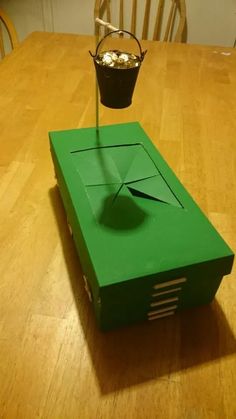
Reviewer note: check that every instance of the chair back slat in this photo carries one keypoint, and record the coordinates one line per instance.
(158, 22)
(108, 11)
(170, 21)
(134, 17)
(146, 20)
(157, 8)
(182, 20)
(121, 17)
(100, 8)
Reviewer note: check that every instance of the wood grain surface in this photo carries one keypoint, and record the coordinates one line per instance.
(54, 363)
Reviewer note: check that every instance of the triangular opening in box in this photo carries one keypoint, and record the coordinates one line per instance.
(154, 188)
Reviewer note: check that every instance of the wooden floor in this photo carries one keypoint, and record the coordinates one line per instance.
(54, 363)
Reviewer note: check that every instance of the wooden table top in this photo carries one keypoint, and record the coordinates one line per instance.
(54, 363)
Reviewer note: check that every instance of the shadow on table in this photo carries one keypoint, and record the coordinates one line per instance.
(147, 351)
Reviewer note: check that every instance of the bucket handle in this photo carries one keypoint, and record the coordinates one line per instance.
(119, 31)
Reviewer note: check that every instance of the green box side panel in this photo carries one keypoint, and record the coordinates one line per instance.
(79, 241)
(133, 300)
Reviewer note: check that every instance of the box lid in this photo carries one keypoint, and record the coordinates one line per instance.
(135, 216)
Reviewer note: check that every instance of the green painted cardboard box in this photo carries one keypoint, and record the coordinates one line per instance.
(146, 248)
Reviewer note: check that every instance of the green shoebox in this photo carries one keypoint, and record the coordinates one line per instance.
(146, 248)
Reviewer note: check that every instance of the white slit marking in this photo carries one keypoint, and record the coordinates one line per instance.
(166, 292)
(168, 300)
(159, 316)
(162, 310)
(169, 283)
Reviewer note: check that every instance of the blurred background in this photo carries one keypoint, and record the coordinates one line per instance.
(211, 22)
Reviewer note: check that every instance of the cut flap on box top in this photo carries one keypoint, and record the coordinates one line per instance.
(154, 188)
(140, 167)
(109, 171)
(96, 167)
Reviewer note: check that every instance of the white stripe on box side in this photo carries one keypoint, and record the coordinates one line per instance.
(169, 283)
(159, 316)
(162, 310)
(168, 300)
(166, 292)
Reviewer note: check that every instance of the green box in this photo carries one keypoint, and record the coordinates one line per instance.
(146, 248)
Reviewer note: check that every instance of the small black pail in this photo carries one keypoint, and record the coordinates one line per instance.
(117, 73)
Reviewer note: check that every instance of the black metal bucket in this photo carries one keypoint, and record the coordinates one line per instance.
(116, 84)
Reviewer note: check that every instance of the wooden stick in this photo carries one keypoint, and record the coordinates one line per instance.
(105, 24)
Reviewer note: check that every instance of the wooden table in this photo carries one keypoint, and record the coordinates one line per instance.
(54, 363)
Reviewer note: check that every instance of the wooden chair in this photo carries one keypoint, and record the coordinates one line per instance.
(156, 16)
(6, 22)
